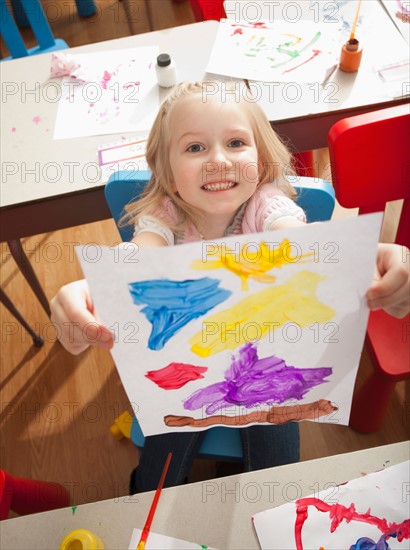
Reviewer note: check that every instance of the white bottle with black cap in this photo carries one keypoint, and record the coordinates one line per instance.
(166, 71)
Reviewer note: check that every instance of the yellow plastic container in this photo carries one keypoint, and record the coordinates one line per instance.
(122, 426)
(81, 539)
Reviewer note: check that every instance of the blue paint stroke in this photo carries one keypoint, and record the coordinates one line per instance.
(251, 381)
(170, 305)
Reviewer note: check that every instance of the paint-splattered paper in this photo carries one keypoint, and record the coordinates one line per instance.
(277, 51)
(249, 329)
(156, 541)
(120, 94)
(369, 513)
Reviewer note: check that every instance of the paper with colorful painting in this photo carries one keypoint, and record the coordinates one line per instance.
(279, 51)
(117, 92)
(156, 541)
(263, 328)
(371, 512)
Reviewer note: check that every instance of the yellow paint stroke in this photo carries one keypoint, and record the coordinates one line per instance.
(298, 38)
(251, 262)
(292, 302)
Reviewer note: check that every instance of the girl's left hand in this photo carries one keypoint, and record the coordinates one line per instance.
(391, 288)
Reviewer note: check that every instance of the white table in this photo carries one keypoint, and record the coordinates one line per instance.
(215, 512)
(36, 197)
(290, 105)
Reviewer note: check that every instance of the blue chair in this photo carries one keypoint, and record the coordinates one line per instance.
(315, 196)
(39, 24)
(85, 8)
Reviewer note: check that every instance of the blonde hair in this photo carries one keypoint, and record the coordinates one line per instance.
(274, 159)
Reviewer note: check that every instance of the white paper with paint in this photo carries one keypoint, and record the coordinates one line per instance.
(156, 541)
(384, 495)
(302, 52)
(121, 94)
(320, 328)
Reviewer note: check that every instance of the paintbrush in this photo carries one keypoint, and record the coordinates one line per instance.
(150, 517)
(356, 18)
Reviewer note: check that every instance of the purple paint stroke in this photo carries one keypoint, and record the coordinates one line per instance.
(364, 543)
(251, 381)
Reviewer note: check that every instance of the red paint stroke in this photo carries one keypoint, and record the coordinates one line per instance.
(37, 119)
(315, 54)
(257, 25)
(339, 512)
(175, 375)
(237, 31)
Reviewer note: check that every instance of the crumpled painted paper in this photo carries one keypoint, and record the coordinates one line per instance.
(65, 64)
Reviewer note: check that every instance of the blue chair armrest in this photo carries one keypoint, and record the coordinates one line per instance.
(316, 197)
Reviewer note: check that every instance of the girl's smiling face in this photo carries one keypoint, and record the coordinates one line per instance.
(213, 156)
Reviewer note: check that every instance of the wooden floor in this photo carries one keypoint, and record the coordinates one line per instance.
(56, 409)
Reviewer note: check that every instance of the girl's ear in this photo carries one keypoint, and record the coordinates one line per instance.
(173, 186)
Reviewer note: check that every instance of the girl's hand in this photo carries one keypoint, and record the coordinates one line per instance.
(391, 288)
(72, 311)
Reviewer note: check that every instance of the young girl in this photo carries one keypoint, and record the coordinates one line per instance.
(218, 169)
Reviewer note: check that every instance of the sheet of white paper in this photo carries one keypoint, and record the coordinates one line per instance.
(313, 315)
(121, 94)
(274, 52)
(162, 542)
(384, 495)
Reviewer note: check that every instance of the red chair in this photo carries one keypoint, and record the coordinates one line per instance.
(27, 496)
(370, 160)
(207, 10)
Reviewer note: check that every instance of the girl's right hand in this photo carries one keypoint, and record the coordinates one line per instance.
(72, 310)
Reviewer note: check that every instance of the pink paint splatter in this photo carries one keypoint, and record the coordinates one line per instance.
(14, 130)
(105, 79)
(131, 85)
(37, 119)
(175, 375)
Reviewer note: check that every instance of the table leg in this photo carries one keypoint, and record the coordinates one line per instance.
(22, 261)
(5, 300)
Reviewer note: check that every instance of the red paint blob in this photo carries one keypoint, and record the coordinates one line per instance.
(175, 375)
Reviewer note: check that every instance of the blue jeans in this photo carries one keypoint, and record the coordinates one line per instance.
(263, 447)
